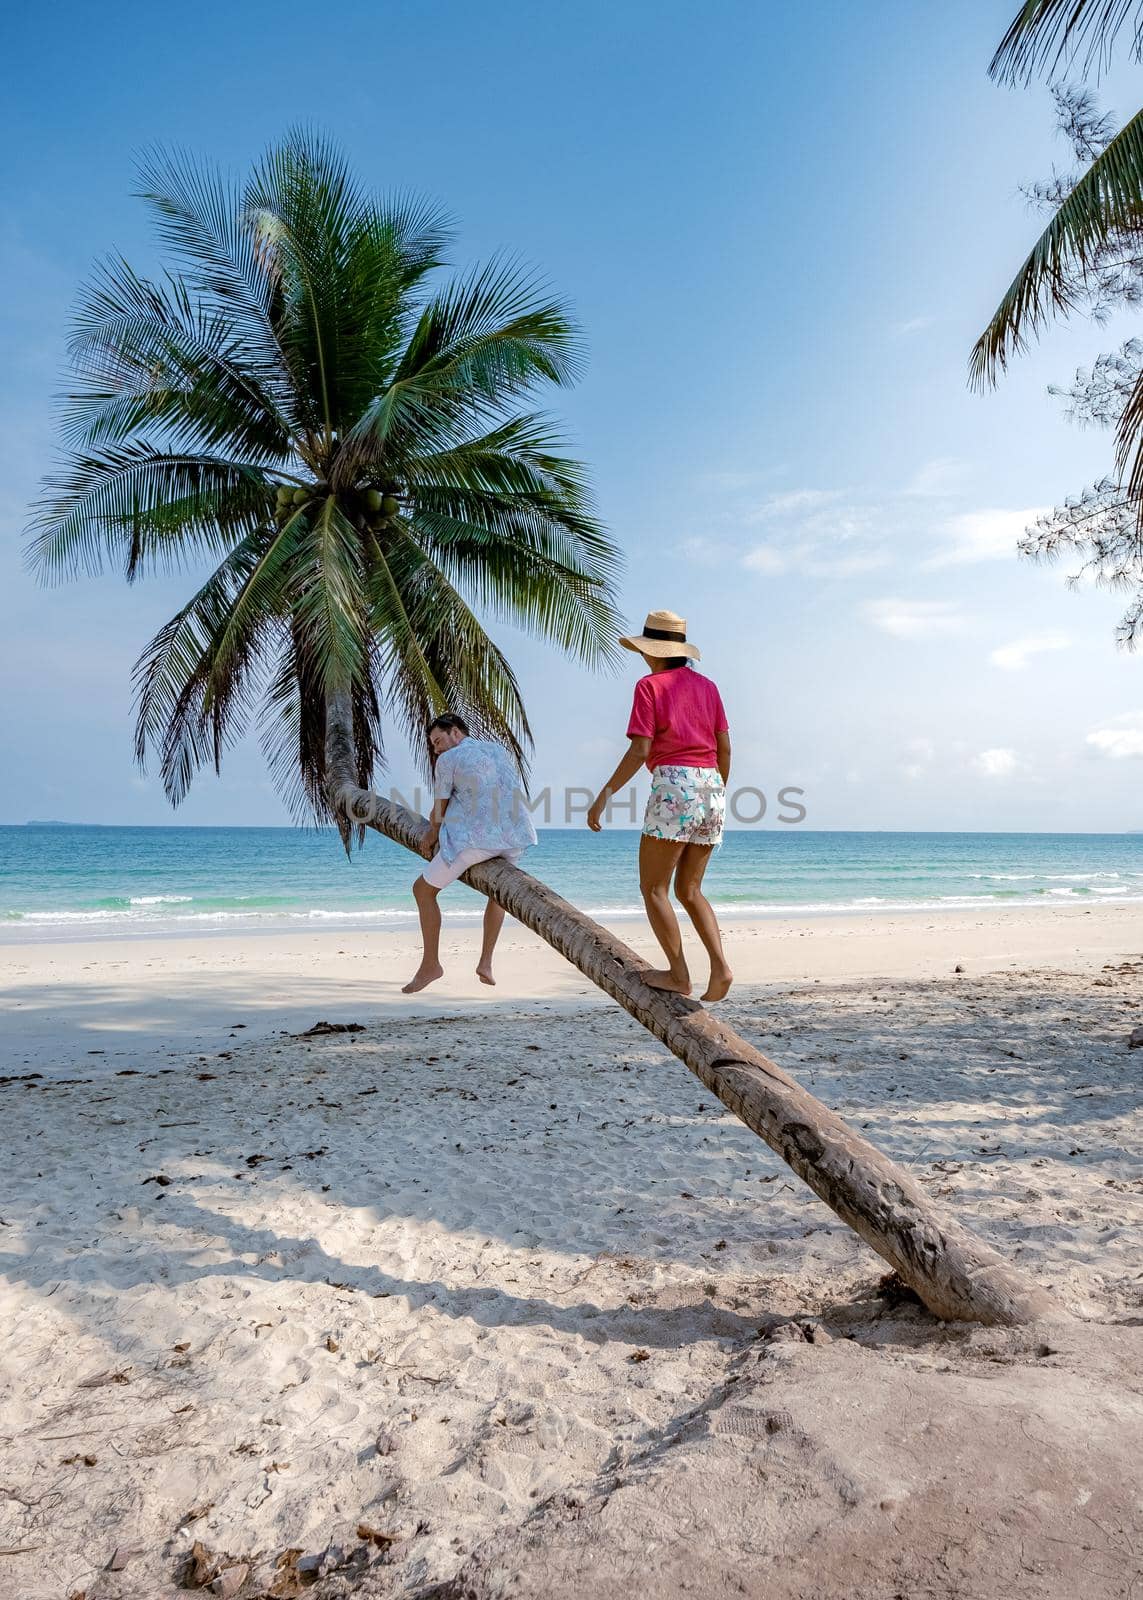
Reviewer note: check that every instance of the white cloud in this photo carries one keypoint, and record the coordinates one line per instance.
(842, 533)
(794, 502)
(732, 482)
(1013, 657)
(1122, 737)
(766, 559)
(914, 619)
(996, 763)
(902, 330)
(700, 548)
(812, 558)
(922, 751)
(819, 533)
(982, 536)
(849, 566)
(937, 477)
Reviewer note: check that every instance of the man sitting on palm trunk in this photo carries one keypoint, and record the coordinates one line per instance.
(476, 815)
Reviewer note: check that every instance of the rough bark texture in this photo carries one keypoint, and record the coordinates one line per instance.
(957, 1275)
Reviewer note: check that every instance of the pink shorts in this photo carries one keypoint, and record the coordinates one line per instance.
(440, 873)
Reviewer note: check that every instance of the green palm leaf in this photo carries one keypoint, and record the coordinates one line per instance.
(1107, 199)
(146, 505)
(193, 680)
(1047, 34)
(217, 257)
(149, 357)
(489, 340)
(441, 654)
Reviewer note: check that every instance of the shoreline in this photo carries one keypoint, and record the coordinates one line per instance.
(207, 925)
(184, 882)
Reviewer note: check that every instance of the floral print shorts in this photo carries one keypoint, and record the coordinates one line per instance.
(687, 805)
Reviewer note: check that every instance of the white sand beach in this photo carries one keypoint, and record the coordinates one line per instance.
(127, 998)
(491, 1298)
(452, 444)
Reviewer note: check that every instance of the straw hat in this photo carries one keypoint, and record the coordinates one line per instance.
(664, 634)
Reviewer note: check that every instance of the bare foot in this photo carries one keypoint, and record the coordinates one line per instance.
(671, 981)
(484, 973)
(719, 986)
(422, 978)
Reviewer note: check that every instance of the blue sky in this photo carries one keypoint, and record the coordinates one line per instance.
(781, 227)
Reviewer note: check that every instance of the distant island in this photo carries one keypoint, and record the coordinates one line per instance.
(38, 822)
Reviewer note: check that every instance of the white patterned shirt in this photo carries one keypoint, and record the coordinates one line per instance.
(485, 799)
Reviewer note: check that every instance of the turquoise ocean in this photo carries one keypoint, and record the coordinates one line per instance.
(61, 882)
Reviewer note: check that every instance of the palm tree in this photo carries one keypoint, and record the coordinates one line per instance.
(1103, 205)
(297, 403)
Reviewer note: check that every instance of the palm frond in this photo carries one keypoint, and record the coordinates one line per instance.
(509, 519)
(420, 230)
(326, 602)
(475, 349)
(515, 574)
(292, 731)
(285, 729)
(146, 506)
(481, 479)
(517, 454)
(1046, 35)
(1129, 447)
(303, 208)
(150, 358)
(192, 681)
(436, 654)
(1106, 199)
(496, 330)
(201, 220)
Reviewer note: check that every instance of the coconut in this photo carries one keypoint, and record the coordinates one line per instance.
(390, 505)
(372, 499)
(301, 496)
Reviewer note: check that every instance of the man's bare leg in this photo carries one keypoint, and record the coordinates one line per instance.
(430, 968)
(493, 922)
(657, 859)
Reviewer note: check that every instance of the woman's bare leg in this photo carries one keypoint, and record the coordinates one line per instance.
(493, 922)
(430, 968)
(657, 861)
(688, 887)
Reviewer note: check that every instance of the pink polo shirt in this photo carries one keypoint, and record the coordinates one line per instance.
(680, 711)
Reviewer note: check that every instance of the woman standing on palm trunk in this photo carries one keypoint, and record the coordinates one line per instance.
(678, 728)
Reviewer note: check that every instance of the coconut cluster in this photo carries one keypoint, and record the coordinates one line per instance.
(378, 509)
(375, 507)
(288, 500)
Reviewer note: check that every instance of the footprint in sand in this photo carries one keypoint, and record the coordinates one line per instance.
(320, 1403)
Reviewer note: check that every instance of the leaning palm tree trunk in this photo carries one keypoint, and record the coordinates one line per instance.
(956, 1274)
